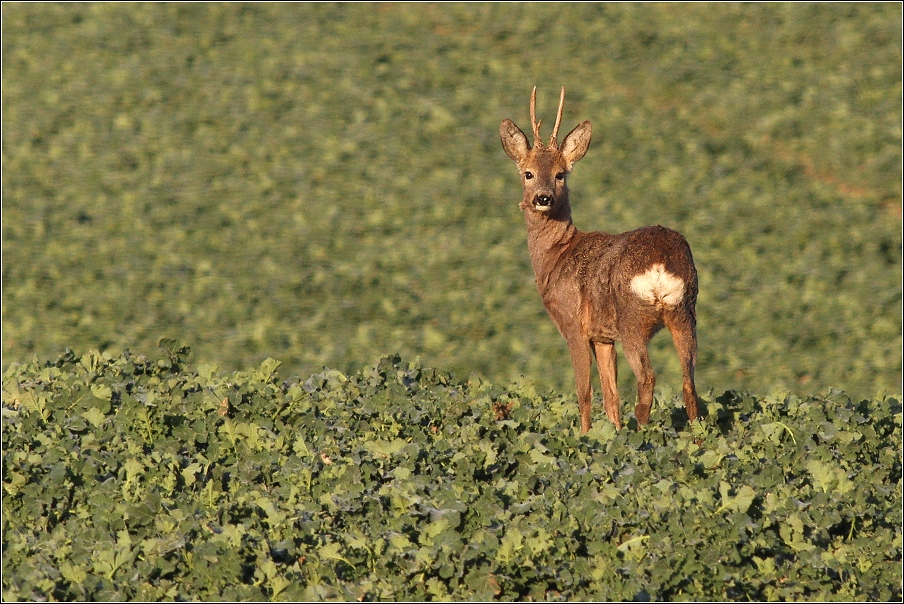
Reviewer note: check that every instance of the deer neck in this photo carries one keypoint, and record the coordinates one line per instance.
(549, 237)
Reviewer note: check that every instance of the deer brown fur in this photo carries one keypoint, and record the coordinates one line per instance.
(600, 288)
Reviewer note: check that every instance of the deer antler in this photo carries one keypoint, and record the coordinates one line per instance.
(533, 118)
(535, 123)
(555, 129)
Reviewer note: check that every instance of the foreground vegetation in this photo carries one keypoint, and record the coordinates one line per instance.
(322, 183)
(128, 478)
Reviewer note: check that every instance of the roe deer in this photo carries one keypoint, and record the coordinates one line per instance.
(601, 288)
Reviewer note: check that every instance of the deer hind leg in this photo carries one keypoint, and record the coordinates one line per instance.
(606, 363)
(636, 351)
(580, 359)
(684, 336)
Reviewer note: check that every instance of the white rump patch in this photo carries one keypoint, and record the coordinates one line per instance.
(658, 286)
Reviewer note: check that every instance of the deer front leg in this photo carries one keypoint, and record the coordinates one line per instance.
(606, 363)
(580, 359)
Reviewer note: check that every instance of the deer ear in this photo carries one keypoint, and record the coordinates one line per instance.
(576, 143)
(513, 140)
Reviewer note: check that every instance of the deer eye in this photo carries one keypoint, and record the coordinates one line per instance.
(528, 175)
(560, 176)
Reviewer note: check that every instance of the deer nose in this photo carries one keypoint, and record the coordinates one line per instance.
(543, 200)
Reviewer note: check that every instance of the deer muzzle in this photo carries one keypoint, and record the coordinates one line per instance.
(543, 203)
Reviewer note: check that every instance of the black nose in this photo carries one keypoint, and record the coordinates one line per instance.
(544, 200)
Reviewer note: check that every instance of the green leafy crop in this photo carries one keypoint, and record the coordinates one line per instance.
(132, 478)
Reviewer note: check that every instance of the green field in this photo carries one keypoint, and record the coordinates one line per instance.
(133, 478)
(324, 185)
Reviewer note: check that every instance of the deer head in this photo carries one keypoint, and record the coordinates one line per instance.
(543, 167)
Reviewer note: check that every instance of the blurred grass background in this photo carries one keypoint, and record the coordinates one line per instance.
(324, 184)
